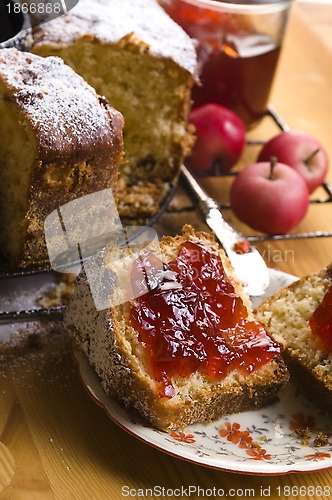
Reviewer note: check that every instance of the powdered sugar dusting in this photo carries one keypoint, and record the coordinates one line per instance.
(64, 110)
(144, 21)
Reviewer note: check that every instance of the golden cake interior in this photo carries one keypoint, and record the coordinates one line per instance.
(135, 83)
(136, 56)
(18, 153)
(287, 317)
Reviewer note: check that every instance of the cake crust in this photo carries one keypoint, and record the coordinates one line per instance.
(71, 121)
(133, 53)
(74, 139)
(111, 346)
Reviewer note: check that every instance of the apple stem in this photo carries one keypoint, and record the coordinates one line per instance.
(311, 155)
(273, 162)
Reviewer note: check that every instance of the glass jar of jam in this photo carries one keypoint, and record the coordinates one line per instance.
(238, 49)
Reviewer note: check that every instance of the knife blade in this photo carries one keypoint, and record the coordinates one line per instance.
(249, 266)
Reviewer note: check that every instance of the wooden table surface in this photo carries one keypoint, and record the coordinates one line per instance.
(55, 442)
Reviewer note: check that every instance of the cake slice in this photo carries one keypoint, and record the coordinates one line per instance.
(59, 141)
(300, 318)
(133, 53)
(186, 348)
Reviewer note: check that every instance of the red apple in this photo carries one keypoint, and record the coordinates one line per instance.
(220, 139)
(300, 151)
(271, 198)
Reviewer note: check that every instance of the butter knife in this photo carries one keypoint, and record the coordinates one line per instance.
(249, 265)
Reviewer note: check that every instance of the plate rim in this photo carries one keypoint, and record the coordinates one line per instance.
(82, 363)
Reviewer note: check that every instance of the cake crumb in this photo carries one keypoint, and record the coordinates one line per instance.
(304, 434)
(254, 445)
(321, 439)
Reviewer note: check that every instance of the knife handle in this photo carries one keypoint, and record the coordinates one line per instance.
(205, 202)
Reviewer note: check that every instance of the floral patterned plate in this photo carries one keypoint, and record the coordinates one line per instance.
(290, 435)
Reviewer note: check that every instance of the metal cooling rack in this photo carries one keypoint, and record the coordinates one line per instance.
(52, 313)
(326, 186)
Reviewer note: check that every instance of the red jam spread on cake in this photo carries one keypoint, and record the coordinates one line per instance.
(193, 320)
(321, 321)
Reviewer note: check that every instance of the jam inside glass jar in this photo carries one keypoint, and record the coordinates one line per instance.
(193, 320)
(238, 50)
(321, 321)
